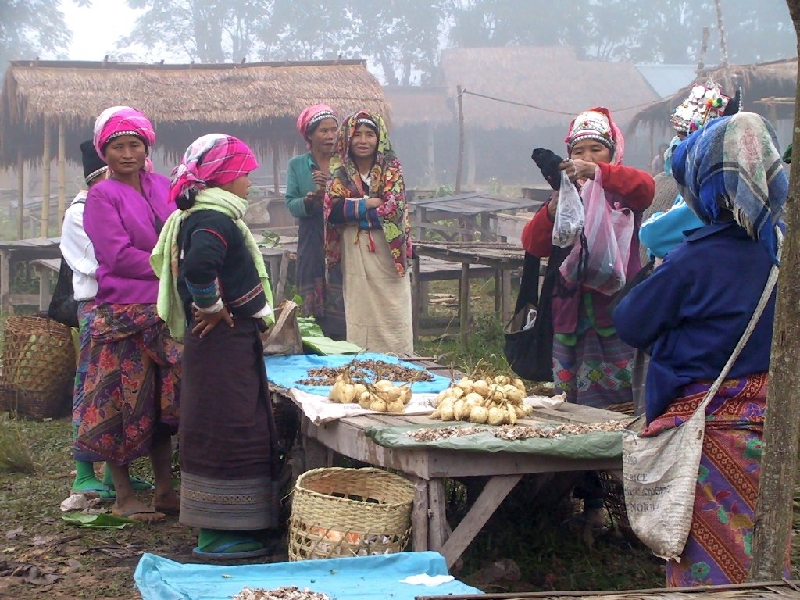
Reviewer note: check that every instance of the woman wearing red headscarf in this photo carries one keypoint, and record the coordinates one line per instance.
(214, 294)
(306, 178)
(130, 407)
(591, 364)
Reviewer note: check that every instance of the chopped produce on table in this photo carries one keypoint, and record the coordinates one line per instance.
(517, 432)
(366, 369)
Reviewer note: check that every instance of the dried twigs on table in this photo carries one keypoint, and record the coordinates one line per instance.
(517, 432)
(360, 369)
(283, 593)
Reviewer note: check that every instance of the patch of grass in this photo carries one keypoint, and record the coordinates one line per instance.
(15, 452)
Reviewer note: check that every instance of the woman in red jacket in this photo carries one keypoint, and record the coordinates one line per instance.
(590, 363)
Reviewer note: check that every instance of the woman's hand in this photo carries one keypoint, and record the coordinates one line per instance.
(320, 179)
(205, 322)
(313, 201)
(578, 170)
(374, 202)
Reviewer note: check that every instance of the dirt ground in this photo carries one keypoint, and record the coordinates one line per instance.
(41, 556)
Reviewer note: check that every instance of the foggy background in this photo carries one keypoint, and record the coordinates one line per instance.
(421, 49)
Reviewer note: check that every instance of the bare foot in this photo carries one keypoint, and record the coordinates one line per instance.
(169, 503)
(137, 511)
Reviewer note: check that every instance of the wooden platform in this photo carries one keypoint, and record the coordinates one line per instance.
(494, 259)
(774, 590)
(428, 468)
(42, 252)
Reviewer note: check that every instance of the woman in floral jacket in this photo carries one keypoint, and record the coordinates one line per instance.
(367, 230)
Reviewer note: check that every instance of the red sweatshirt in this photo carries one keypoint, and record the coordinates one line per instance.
(636, 187)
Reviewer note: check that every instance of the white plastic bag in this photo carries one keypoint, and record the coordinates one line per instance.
(602, 265)
(569, 214)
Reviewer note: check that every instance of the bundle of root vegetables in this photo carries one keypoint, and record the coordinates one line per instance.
(493, 400)
(381, 396)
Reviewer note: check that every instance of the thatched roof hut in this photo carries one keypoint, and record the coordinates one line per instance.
(258, 102)
(548, 77)
(412, 105)
(759, 83)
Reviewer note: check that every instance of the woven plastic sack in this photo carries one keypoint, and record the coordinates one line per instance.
(569, 218)
(659, 480)
(600, 260)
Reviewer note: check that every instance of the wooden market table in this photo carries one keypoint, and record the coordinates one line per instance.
(498, 257)
(428, 468)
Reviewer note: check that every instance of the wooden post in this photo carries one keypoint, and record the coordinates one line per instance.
(778, 474)
(45, 181)
(723, 44)
(20, 194)
(703, 49)
(276, 169)
(460, 168)
(472, 164)
(62, 171)
(431, 157)
(463, 310)
(416, 303)
(5, 281)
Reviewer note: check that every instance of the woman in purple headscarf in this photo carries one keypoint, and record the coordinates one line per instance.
(214, 294)
(130, 407)
(306, 178)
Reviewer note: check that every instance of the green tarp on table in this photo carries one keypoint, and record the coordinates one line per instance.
(595, 445)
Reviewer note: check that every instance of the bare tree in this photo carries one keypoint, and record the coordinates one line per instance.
(779, 463)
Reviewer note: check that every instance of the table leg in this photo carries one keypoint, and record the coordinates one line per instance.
(416, 302)
(5, 282)
(44, 287)
(497, 488)
(315, 455)
(498, 294)
(420, 517)
(438, 529)
(463, 311)
(506, 312)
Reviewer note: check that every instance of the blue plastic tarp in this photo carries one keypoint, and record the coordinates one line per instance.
(286, 371)
(357, 578)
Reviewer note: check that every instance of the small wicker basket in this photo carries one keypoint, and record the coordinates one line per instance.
(38, 368)
(339, 512)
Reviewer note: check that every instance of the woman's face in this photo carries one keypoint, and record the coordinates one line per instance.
(323, 138)
(239, 186)
(126, 154)
(364, 142)
(591, 151)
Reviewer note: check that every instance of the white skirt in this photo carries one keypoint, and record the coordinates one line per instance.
(377, 301)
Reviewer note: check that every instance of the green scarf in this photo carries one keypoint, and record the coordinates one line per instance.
(164, 258)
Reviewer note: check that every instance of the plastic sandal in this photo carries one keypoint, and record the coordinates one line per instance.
(220, 553)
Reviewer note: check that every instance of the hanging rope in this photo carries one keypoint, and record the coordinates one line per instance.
(547, 110)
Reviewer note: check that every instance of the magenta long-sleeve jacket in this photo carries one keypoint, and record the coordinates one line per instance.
(123, 226)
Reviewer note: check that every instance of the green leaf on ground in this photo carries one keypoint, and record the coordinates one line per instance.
(102, 520)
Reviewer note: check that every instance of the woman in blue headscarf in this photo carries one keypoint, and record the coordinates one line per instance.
(690, 315)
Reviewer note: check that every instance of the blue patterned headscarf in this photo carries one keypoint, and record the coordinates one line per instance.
(733, 164)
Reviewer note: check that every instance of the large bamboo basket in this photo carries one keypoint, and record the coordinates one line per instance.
(38, 368)
(340, 512)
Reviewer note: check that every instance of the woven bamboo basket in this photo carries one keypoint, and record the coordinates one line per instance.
(38, 368)
(339, 512)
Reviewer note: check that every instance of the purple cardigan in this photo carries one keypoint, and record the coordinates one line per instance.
(123, 226)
